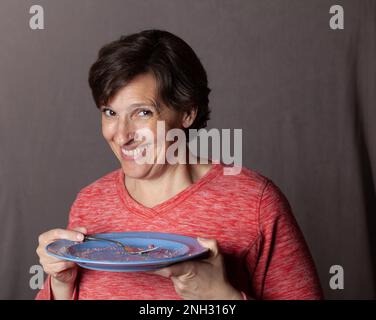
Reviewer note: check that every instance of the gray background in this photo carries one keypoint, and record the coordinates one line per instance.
(303, 94)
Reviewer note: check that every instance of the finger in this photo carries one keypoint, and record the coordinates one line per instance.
(57, 234)
(65, 275)
(165, 272)
(82, 230)
(210, 244)
(179, 285)
(176, 270)
(45, 260)
(57, 267)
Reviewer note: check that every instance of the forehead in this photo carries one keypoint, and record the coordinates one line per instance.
(141, 90)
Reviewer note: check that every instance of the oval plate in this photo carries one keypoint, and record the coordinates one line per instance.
(106, 256)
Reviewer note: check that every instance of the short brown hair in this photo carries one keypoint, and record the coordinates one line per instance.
(181, 78)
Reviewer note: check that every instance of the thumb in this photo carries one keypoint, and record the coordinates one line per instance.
(210, 244)
(80, 229)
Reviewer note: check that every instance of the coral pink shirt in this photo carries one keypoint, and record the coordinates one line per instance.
(265, 254)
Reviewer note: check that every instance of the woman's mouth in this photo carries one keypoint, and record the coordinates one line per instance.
(135, 153)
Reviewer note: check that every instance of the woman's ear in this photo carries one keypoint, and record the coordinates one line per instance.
(189, 117)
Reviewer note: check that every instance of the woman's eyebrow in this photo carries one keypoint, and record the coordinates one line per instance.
(136, 105)
(141, 104)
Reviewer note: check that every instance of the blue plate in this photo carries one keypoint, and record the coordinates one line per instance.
(106, 256)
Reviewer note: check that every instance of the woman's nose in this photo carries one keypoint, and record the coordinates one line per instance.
(124, 133)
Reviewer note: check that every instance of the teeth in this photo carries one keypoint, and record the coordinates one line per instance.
(134, 153)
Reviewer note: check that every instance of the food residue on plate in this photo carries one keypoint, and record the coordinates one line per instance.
(118, 254)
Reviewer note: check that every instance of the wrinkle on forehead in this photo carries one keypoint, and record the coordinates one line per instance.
(141, 91)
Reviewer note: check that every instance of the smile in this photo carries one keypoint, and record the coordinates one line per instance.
(134, 153)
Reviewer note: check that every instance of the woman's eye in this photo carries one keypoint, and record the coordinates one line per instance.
(108, 112)
(145, 113)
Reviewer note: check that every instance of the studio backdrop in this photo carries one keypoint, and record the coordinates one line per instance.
(303, 92)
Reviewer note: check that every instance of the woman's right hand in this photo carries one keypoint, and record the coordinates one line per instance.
(62, 272)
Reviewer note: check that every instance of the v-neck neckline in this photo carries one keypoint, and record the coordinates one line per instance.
(168, 204)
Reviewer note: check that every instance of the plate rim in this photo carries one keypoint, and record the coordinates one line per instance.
(199, 250)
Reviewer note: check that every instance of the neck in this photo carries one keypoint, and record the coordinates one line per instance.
(151, 192)
(172, 180)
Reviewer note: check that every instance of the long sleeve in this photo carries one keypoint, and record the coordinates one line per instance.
(283, 268)
(46, 293)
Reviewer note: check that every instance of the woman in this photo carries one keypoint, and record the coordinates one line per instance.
(256, 250)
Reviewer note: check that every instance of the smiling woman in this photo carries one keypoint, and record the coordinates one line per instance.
(256, 249)
(134, 110)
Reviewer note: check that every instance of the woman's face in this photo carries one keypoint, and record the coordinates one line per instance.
(135, 109)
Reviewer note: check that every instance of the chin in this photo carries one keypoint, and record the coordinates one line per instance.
(135, 171)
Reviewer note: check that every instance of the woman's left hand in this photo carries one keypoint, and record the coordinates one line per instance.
(202, 279)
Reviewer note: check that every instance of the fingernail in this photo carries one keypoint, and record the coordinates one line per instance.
(80, 237)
